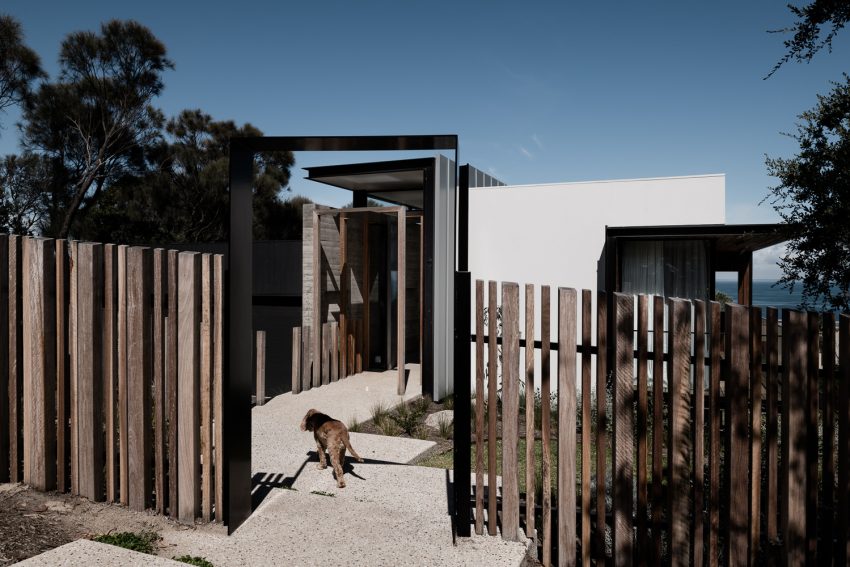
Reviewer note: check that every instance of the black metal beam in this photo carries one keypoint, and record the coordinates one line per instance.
(463, 395)
(463, 219)
(238, 291)
(239, 331)
(349, 143)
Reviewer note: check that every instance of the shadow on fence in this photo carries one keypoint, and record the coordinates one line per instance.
(713, 441)
(111, 382)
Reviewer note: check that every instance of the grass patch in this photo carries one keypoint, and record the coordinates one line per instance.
(446, 461)
(354, 425)
(192, 560)
(449, 402)
(380, 412)
(143, 542)
(389, 427)
(323, 493)
(446, 428)
(420, 405)
(407, 417)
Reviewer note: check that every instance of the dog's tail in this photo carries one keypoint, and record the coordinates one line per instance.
(352, 451)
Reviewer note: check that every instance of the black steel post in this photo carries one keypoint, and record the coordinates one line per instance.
(239, 323)
(463, 219)
(462, 423)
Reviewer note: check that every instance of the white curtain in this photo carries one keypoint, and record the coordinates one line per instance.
(672, 268)
(642, 267)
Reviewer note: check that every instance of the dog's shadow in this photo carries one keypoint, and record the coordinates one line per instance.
(347, 466)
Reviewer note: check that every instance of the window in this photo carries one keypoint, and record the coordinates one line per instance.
(672, 268)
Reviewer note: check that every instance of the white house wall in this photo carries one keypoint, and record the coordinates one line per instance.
(555, 234)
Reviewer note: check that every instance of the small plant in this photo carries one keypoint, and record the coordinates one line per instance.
(420, 432)
(406, 417)
(192, 560)
(389, 427)
(323, 493)
(446, 428)
(143, 542)
(379, 412)
(354, 426)
(449, 401)
(421, 404)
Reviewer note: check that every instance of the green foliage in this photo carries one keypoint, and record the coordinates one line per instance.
(445, 427)
(723, 299)
(192, 560)
(19, 65)
(96, 121)
(143, 542)
(421, 404)
(408, 417)
(102, 163)
(449, 402)
(811, 21)
(25, 180)
(813, 197)
(184, 195)
(380, 412)
(354, 425)
(388, 427)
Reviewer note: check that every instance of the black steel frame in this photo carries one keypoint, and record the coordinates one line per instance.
(238, 297)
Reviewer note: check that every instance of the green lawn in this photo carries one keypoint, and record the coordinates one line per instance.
(445, 461)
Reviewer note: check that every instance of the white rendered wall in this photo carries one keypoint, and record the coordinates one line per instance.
(554, 234)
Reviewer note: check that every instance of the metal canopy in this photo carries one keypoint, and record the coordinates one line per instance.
(399, 181)
(726, 238)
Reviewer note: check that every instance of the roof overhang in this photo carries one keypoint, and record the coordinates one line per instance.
(400, 181)
(726, 239)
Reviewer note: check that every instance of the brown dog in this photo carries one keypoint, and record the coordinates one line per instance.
(331, 435)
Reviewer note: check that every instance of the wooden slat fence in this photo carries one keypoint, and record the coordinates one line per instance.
(341, 353)
(719, 438)
(104, 392)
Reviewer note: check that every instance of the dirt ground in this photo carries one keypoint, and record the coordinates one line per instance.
(32, 522)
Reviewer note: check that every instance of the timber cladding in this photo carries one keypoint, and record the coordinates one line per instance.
(724, 437)
(111, 384)
(342, 289)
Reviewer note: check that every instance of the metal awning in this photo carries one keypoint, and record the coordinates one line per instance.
(400, 181)
(726, 238)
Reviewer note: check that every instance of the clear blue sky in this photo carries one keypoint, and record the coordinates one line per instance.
(537, 91)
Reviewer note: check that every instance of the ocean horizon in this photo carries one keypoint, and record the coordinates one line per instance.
(766, 293)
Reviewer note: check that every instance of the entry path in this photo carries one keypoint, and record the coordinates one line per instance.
(390, 513)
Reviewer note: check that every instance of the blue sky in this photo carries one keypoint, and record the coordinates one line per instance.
(537, 91)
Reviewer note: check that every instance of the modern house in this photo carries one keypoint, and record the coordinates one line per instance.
(381, 291)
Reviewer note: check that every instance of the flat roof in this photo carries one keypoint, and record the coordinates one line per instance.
(398, 181)
(727, 238)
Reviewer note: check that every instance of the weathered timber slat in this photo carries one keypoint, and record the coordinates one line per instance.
(679, 445)
(642, 540)
(529, 409)
(188, 376)
(492, 386)
(510, 411)
(586, 343)
(623, 438)
(566, 426)
(546, 421)
(479, 407)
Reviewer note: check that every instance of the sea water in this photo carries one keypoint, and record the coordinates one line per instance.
(767, 293)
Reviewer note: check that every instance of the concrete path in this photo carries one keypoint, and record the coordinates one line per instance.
(390, 513)
(85, 553)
